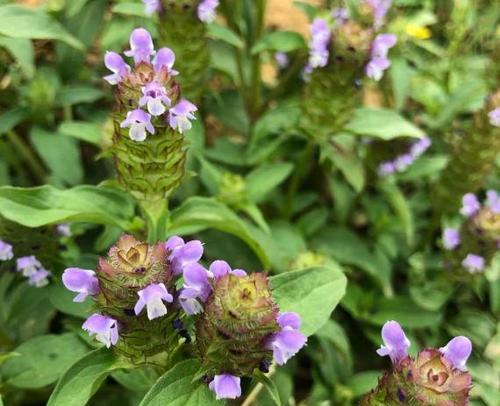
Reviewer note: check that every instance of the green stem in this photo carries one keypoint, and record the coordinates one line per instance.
(25, 152)
(256, 76)
(156, 214)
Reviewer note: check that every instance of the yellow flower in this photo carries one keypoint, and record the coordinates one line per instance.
(418, 32)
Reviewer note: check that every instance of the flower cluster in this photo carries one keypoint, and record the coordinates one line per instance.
(434, 377)
(479, 217)
(145, 87)
(379, 61)
(28, 266)
(319, 44)
(238, 326)
(206, 9)
(403, 161)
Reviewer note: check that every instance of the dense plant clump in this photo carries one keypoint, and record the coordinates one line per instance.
(222, 202)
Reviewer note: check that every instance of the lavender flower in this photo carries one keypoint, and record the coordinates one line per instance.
(165, 59)
(196, 287)
(376, 67)
(318, 46)
(183, 254)
(28, 265)
(379, 61)
(104, 328)
(493, 201)
(139, 122)
(403, 161)
(155, 97)
(206, 10)
(422, 145)
(470, 205)
(494, 116)
(457, 351)
(380, 9)
(281, 59)
(386, 169)
(226, 386)
(395, 342)
(220, 268)
(82, 281)
(288, 342)
(151, 6)
(117, 65)
(64, 230)
(6, 252)
(181, 114)
(141, 46)
(39, 278)
(153, 296)
(473, 263)
(451, 238)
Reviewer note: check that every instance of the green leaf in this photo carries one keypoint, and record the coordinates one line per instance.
(264, 179)
(62, 299)
(70, 95)
(33, 24)
(405, 311)
(280, 41)
(22, 50)
(223, 33)
(382, 123)
(313, 293)
(348, 162)
(42, 360)
(269, 385)
(83, 378)
(401, 75)
(11, 118)
(60, 154)
(43, 205)
(200, 213)
(176, 388)
(130, 9)
(81, 130)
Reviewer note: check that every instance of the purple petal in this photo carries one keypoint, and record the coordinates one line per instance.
(451, 238)
(6, 252)
(174, 242)
(165, 58)
(219, 268)
(457, 351)
(289, 319)
(103, 327)
(470, 205)
(493, 201)
(226, 386)
(473, 263)
(286, 344)
(396, 343)
(494, 117)
(82, 281)
(141, 46)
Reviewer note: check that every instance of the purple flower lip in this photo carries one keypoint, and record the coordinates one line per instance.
(139, 122)
(39, 278)
(226, 386)
(473, 263)
(457, 351)
(451, 238)
(6, 251)
(379, 61)
(196, 288)
(156, 99)
(318, 46)
(152, 297)
(470, 205)
(180, 116)
(82, 281)
(287, 342)
(395, 342)
(28, 265)
(104, 328)
(206, 10)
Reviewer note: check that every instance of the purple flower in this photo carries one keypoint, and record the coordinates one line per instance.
(376, 67)
(155, 97)
(153, 296)
(165, 59)
(281, 59)
(288, 342)
(206, 10)
(28, 265)
(138, 121)
(196, 286)
(318, 46)
(379, 61)
(386, 169)
(451, 238)
(117, 65)
(220, 268)
(183, 254)
(6, 252)
(380, 9)
(473, 263)
(64, 230)
(181, 114)
(226, 386)
(420, 147)
(104, 328)
(494, 116)
(493, 201)
(39, 278)
(141, 46)
(82, 281)
(403, 161)
(470, 205)
(395, 342)
(457, 351)
(151, 6)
